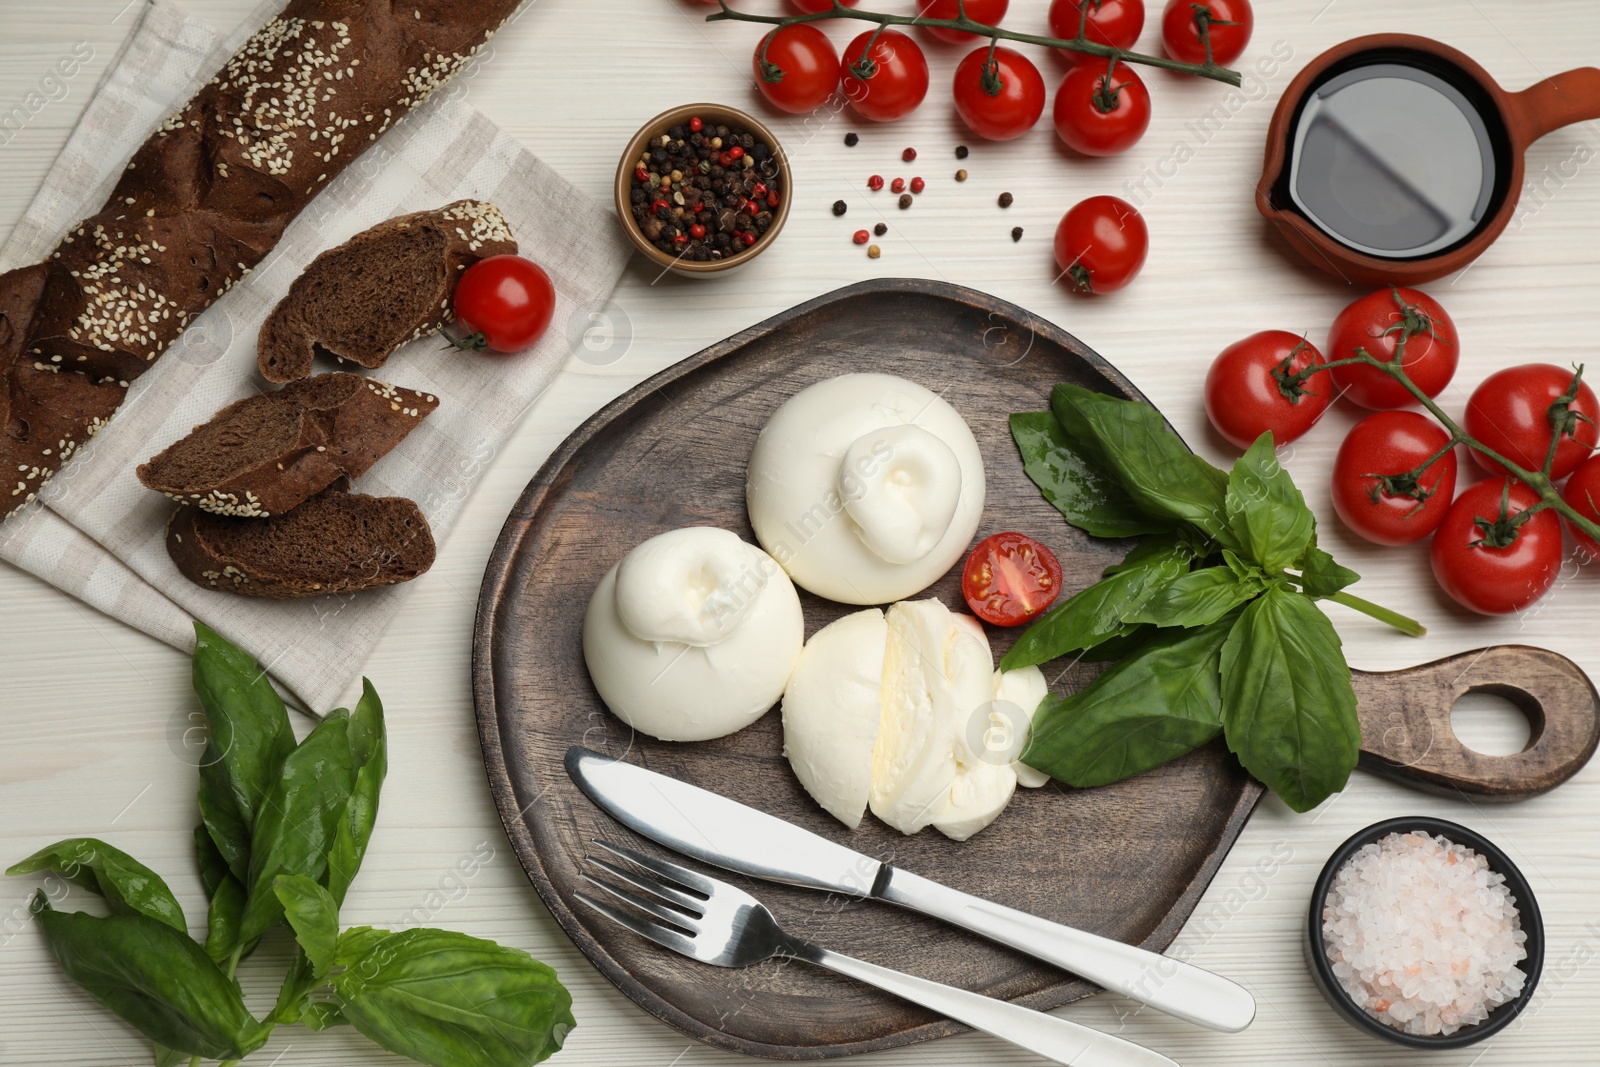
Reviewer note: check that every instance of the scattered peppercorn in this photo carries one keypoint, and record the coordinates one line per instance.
(873, 251)
(1016, 233)
(917, 185)
(1005, 199)
(851, 140)
(840, 207)
(961, 151)
(860, 238)
(909, 154)
(897, 186)
(696, 125)
(905, 201)
(696, 199)
(875, 182)
(881, 228)
(961, 175)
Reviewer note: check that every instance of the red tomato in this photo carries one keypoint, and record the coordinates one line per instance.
(1583, 493)
(1101, 243)
(988, 12)
(1180, 30)
(1101, 114)
(893, 79)
(1248, 390)
(1010, 578)
(804, 64)
(1015, 105)
(1113, 22)
(1492, 568)
(1376, 323)
(1510, 412)
(503, 303)
(1372, 488)
(812, 7)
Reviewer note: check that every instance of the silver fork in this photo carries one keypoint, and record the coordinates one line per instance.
(720, 924)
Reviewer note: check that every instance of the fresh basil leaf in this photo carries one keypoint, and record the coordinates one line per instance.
(156, 978)
(226, 899)
(1288, 706)
(312, 915)
(1160, 702)
(169, 1057)
(248, 738)
(1322, 577)
(1266, 510)
(294, 995)
(355, 943)
(455, 1001)
(319, 1016)
(1121, 647)
(298, 819)
(1091, 499)
(1164, 479)
(129, 887)
(1198, 598)
(369, 756)
(1096, 614)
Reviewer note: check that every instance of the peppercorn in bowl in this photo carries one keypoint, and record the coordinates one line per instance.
(702, 188)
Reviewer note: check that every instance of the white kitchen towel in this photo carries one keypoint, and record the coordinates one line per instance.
(98, 534)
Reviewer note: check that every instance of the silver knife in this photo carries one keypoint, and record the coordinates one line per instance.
(736, 837)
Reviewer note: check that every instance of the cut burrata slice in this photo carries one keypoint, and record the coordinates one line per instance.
(693, 635)
(866, 488)
(1017, 695)
(831, 712)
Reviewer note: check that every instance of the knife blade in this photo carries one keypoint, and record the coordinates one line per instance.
(736, 837)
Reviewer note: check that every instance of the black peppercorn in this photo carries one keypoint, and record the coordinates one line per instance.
(1016, 233)
(1005, 199)
(851, 140)
(881, 228)
(905, 201)
(961, 151)
(840, 207)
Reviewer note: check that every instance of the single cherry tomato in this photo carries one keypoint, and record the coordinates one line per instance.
(1002, 102)
(988, 12)
(1374, 491)
(812, 7)
(1582, 491)
(1228, 22)
(1252, 388)
(1376, 323)
(887, 82)
(1010, 578)
(1113, 22)
(503, 303)
(1101, 111)
(1101, 243)
(1485, 560)
(1519, 410)
(801, 69)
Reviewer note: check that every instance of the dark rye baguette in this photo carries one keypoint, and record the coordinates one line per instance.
(204, 200)
(263, 455)
(336, 542)
(384, 287)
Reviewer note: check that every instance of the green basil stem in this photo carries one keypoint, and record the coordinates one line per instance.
(1208, 69)
(1404, 623)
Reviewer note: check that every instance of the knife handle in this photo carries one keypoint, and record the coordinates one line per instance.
(1055, 1039)
(1168, 985)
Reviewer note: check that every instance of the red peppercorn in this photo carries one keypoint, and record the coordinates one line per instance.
(759, 190)
(772, 199)
(897, 186)
(695, 125)
(917, 185)
(698, 206)
(697, 231)
(658, 205)
(680, 239)
(909, 154)
(641, 174)
(861, 237)
(735, 152)
(725, 159)
(875, 182)
(748, 238)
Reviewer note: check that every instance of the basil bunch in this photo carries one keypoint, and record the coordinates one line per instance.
(1209, 620)
(283, 829)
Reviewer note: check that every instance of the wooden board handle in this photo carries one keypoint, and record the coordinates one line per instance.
(1560, 100)
(1406, 732)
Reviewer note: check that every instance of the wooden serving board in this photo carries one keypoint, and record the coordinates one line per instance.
(1129, 861)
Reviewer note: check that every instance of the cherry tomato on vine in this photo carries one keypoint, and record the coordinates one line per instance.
(1113, 22)
(1010, 578)
(1582, 491)
(1487, 562)
(1101, 243)
(1251, 388)
(1376, 322)
(1374, 490)
(804, 64)
(503, 303)
(1518, 410)
(813, 7)
(1101, 112)
(1180, 29)
(1015, 105)
(893, 78)
(988, 12)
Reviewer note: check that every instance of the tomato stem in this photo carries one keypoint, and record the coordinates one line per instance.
(966, 24)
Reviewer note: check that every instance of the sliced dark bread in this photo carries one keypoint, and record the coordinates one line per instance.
(336, 542)
(263, 455)
(379, 290)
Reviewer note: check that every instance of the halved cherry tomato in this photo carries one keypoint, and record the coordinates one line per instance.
(1371, 489)
(1485, 563)
(1510, 412)
(1010, 579)
(503, 303)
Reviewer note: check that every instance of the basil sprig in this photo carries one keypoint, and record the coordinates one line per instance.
(1209, 621)
(283, 830)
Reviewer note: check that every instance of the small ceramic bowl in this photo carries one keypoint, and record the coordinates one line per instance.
(712, 115)
(1328, 983)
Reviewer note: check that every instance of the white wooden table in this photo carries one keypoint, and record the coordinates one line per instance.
(94, 711)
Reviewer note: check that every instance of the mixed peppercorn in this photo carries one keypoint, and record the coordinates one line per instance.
(703, 192)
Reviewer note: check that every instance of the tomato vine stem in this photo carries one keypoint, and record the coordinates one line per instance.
(965, 24)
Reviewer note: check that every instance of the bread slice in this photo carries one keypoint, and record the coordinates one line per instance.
(336, 542)
(265, 454)
(384, 287)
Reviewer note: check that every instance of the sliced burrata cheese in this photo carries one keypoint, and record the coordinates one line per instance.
(1017, 696)
(831, 713)
(866, 488)
(693, 635)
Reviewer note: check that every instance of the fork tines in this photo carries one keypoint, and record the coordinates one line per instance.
(680, 928)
